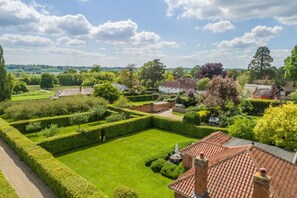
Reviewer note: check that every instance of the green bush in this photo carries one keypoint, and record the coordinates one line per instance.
(115, 117)
(242, 128)
(191, 118)
(51, 131)
(259, 105)
(6, 190)
(140, 98)
(202, 83)
(157, 165)
(179, 170)
(185, 128)
(107, 91)
(97, 112)
(168, 170)
(33, 126)
(64, 181)
(121, 102)
(124, 192)
(161, 155)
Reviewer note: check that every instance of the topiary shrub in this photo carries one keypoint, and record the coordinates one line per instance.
(124, 192)
(51, 131)
(168, 170)
(157, 165)
(191, 118)
(204, 115)
(34, 126)
(179, 170)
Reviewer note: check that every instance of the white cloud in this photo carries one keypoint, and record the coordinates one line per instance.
(25, 40)
(70, 42)
(218, 27)
(16, 13)
(145, 37)
(120, 30)
(283, 11)
(259, 36)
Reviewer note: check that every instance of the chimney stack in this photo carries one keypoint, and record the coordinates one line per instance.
(201, 169)
(261, 184)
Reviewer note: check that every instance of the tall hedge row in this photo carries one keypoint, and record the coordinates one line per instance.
(66, 142)
(140, 98)
(259, 105)
(185, 128)
(64, 181)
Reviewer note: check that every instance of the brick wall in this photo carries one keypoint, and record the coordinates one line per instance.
(150, 108)
(177, 195)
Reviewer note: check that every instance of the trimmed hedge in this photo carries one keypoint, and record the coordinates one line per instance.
(180, 127)
(259, 105)
(63, 181)
(69, 141)
(127, 111)
(140, 98)
(6, 190)
(61, 121)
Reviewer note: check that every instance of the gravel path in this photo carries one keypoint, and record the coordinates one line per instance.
(26, 183)
(169, 114)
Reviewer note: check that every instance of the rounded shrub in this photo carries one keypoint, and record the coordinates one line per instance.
(124, 192)
(168, 170)
(202, 83)
(157, 165)
(191, 118)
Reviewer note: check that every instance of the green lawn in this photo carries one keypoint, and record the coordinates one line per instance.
(121, 162)
(140, 103)
(6, 190)
(37, 136)
(36, 93)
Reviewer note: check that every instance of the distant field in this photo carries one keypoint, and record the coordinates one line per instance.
(36, 93)
(120, 161)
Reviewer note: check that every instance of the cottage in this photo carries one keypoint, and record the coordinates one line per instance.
(180, 85)
(262, 91)
(219, 166)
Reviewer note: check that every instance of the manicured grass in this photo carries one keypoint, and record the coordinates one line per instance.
(36, 93)
(37, 136)
(6, 190)
(140, 103)
(121, 162)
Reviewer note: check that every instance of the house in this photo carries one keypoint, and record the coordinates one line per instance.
(120, 87)
(178, 86)
(262, 91)
(219, 166)
(73, 92)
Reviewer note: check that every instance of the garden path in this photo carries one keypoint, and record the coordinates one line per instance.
(168, 114)
(26, 183)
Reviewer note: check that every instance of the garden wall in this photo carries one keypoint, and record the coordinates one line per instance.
(153, 107)
(62, 180)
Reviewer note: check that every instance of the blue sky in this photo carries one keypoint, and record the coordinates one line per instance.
(120, 32)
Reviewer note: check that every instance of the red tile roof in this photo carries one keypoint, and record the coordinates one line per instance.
(231, 171)
(208, 148)
(217, 138)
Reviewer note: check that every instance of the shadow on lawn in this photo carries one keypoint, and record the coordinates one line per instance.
(107, 141)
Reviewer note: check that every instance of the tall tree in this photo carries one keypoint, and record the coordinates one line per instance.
(96, 68)
(5, 80)
(151, 73)
(178, 72)
(128, 76)
(261, 60)
(221, 90)
(291, 65)
(47, 81)
(195, 70)
(209, 70)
